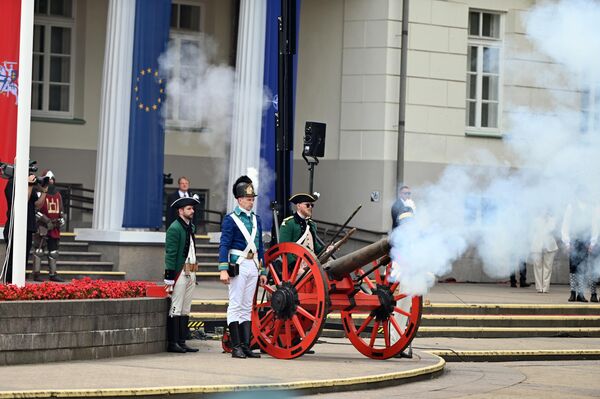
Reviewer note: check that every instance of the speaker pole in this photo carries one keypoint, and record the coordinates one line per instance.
(284, 118)
(311, 170)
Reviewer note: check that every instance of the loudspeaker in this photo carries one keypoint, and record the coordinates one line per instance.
(314, 139)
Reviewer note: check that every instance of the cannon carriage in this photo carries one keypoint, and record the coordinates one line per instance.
(290, 312)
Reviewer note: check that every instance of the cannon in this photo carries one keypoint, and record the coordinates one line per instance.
(290, 312)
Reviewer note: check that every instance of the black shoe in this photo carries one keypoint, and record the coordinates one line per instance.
(184, 333)
(245, 332)
(309, 352)
(524, 284)
(35, 276)
(572, 297)
(513, 284)
(183, 345)
(174, 347)
(54, 277)
(594, 298)
(238, 353)
(581, 298)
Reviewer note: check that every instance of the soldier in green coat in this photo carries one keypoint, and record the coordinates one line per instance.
(299, 227)
(180, 273)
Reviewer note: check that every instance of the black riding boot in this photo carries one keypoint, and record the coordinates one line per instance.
(173, 335)
(184, 333)
(234, 336)
(245, 332)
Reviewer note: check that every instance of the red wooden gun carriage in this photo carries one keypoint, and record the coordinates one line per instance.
(290, 312)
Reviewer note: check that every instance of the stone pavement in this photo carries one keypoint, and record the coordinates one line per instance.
(337, 365)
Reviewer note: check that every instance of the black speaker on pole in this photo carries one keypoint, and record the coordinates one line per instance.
(314, 139)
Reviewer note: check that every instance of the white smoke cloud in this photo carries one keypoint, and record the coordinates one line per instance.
(557, 154)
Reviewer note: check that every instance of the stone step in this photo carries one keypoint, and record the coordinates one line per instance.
(74, 245)
(510, 321)
(210, 320)
(70, 265)
(82, 256)
(79, 274)
(512, 309)
(462, 311)
(207, 246)
(210, 276)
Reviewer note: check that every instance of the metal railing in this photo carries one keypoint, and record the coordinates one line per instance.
(77, 199)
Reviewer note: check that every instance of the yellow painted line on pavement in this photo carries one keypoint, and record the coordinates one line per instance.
(509, 329)
(208, 389)
(510, 317)
(515, 353)
(511, 305)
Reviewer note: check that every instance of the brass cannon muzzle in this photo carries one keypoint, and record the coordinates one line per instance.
(341, 267)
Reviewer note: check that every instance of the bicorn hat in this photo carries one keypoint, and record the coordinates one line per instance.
(184, 201)
(302, 197)
(243, 187)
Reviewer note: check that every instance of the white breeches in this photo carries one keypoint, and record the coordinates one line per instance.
(542, 269)
(183, 292)
(241, 292)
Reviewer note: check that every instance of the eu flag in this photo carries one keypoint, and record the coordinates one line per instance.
(145, 161)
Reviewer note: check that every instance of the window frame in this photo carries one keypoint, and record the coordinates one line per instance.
(480, 42)
(178, 35)
(49, 21)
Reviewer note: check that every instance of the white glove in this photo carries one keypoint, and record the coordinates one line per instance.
(169, 282)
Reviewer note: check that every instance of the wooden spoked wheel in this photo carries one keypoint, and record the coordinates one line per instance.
(289, 312)
(389, 329)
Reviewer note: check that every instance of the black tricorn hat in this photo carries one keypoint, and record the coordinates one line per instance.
(184, 201)
(243, 187)
(302, 197)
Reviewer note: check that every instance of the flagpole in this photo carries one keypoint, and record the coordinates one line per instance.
(22, 153)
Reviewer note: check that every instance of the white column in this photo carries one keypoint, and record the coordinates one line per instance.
(247, 113)
(22, 152)
(111, 158)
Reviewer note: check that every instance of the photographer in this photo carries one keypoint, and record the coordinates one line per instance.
(49, 220)
(8, 193)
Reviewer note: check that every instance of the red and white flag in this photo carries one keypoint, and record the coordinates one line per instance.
(9, 87)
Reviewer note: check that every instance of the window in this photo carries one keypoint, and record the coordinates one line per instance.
(483, 71)
(52, 77)
(590, 108)
(185, 37)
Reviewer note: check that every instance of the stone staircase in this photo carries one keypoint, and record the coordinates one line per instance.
(207, 255)
(76, 262)
(438, 319)
(461, 321)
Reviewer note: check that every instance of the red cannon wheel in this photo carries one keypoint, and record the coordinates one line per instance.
(388, 330)
(289, 313)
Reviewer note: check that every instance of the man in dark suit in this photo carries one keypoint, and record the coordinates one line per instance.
(181, 192)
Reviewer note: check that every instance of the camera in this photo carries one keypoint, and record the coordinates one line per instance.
(167, 179)
(42, 181)
(7, 171)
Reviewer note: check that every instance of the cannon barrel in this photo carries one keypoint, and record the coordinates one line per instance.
(345, 265)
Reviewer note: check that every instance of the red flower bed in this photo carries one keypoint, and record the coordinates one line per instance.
(76, 289)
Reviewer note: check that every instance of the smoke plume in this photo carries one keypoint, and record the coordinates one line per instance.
(555, 151)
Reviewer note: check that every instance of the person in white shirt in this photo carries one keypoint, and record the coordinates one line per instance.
(543, 250)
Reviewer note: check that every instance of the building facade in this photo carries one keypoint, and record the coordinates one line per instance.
(461, 90)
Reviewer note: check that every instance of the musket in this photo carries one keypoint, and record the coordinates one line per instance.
(323, 258)
(339, 231)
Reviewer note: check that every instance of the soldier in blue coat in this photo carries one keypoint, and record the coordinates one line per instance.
(241, 257)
